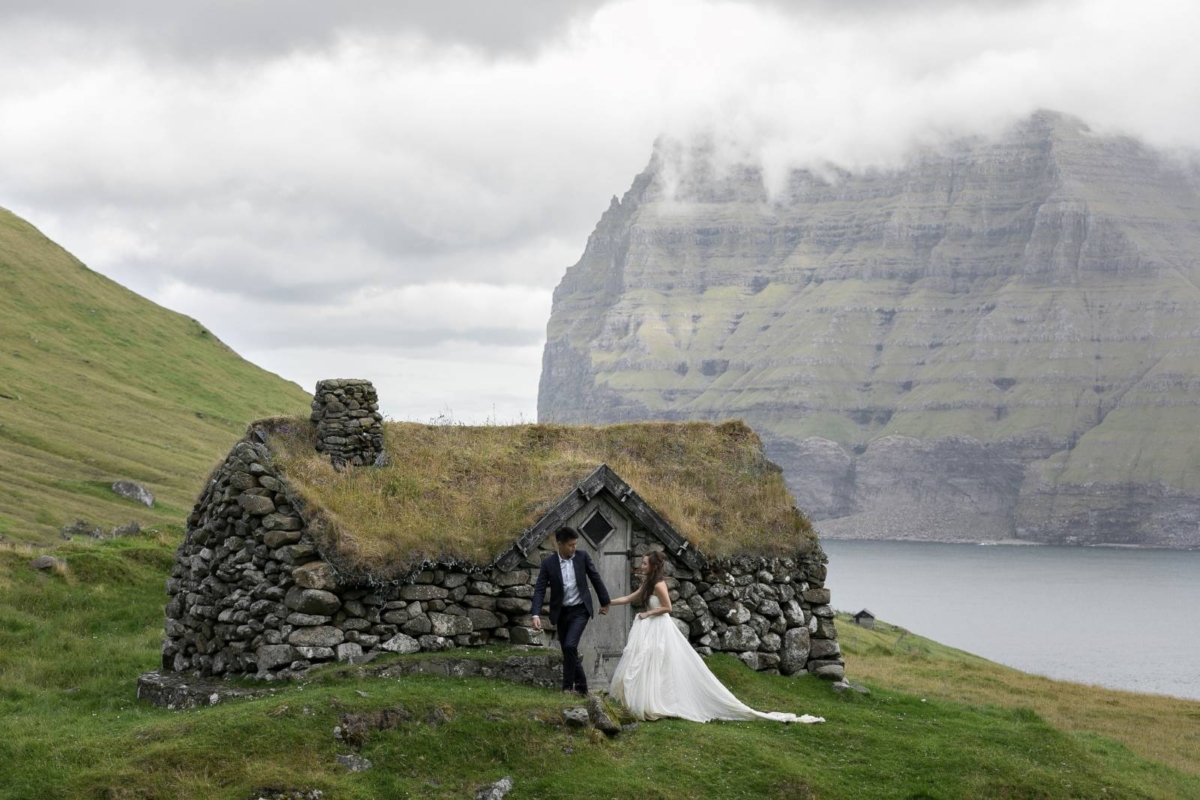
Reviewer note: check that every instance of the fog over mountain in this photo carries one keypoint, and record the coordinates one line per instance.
(297, 174)
(998, 340)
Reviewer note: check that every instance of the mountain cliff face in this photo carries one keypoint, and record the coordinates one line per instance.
(999, 341)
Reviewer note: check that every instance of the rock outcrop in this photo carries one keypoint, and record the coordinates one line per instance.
(999, 341)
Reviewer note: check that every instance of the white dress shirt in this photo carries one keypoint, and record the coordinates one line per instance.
(570, 588)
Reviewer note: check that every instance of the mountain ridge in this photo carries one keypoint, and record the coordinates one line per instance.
(99, 384)
(991, 305)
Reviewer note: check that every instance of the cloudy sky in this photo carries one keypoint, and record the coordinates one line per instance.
(307, 177)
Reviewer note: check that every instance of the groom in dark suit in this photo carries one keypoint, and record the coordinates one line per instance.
(567, 574)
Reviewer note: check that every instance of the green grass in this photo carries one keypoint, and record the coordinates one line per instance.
(466, 492)
(73, 644)
(98, 384)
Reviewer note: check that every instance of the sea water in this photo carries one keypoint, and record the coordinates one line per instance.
(1120, 618)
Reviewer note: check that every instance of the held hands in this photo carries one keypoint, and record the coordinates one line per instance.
(603, 609)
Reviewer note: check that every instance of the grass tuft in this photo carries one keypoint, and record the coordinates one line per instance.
(457, 492)
(71, 650)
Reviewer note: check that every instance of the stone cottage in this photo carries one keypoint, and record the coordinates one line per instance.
(335, 537)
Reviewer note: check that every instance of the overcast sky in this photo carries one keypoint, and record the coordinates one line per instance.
(391, 190)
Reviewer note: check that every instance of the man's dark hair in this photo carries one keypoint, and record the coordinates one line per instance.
(566, 534)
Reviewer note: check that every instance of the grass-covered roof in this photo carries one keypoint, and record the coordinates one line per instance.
(466, 493)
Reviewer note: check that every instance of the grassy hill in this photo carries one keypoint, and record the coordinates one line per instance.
(939, 723)
(99, 384)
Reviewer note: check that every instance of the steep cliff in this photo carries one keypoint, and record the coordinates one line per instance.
(1000, 340)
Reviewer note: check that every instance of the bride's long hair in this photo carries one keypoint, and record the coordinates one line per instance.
(655, 571)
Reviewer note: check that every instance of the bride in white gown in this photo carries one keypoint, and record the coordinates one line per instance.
(660, 675)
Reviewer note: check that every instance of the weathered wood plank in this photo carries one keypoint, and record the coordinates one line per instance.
(603, 479)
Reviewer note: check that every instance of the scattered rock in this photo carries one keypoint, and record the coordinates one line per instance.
(132, 529)
(439, 716)
(354, 762)
(134, 491)
(828, 669)
(175, 692)
(575, 717)
(845, 685)
(600, 718)
(495, 791)
(354, 729)
(272, 793)
(43, 563)
(82, 528)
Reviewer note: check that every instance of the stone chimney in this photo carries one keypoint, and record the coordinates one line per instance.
(349, 425)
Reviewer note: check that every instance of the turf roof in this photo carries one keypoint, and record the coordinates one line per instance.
(458, 493)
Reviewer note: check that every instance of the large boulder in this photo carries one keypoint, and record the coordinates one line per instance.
(401, 643)
(314, 575)
(273, 539)
(256, 505)
(449, 624)
(320, 636)
(523, 635)
(134, 491)
(312, 601)
(740, 638)
(282, 522)
(829, 669)
(275, 655)
(43, 563)
(348, 651)
(817, 597)
(738, 614)
(824, 648)
(482, 619)
(794, 653)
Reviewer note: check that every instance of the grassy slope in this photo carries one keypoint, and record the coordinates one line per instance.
(72, 645)
(110, 386)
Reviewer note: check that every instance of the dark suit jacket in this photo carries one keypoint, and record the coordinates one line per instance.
(549, 574)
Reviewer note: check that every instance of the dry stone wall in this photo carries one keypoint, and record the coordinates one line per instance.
(251, 594)
(349, 425)
(772, 613)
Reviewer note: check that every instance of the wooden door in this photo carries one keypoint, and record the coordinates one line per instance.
(604, 531)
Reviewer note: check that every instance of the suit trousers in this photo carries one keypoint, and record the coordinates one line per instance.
(571, 622)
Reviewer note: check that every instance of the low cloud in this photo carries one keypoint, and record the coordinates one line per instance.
(252, 168)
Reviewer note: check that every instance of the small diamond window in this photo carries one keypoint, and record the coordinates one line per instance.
(596, 529)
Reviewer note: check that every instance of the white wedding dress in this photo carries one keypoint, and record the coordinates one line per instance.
(660, 675)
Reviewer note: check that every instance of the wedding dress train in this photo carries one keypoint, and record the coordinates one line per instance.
(660, 675)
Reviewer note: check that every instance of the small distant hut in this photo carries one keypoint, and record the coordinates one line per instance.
(865, 619)
(334, 537)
